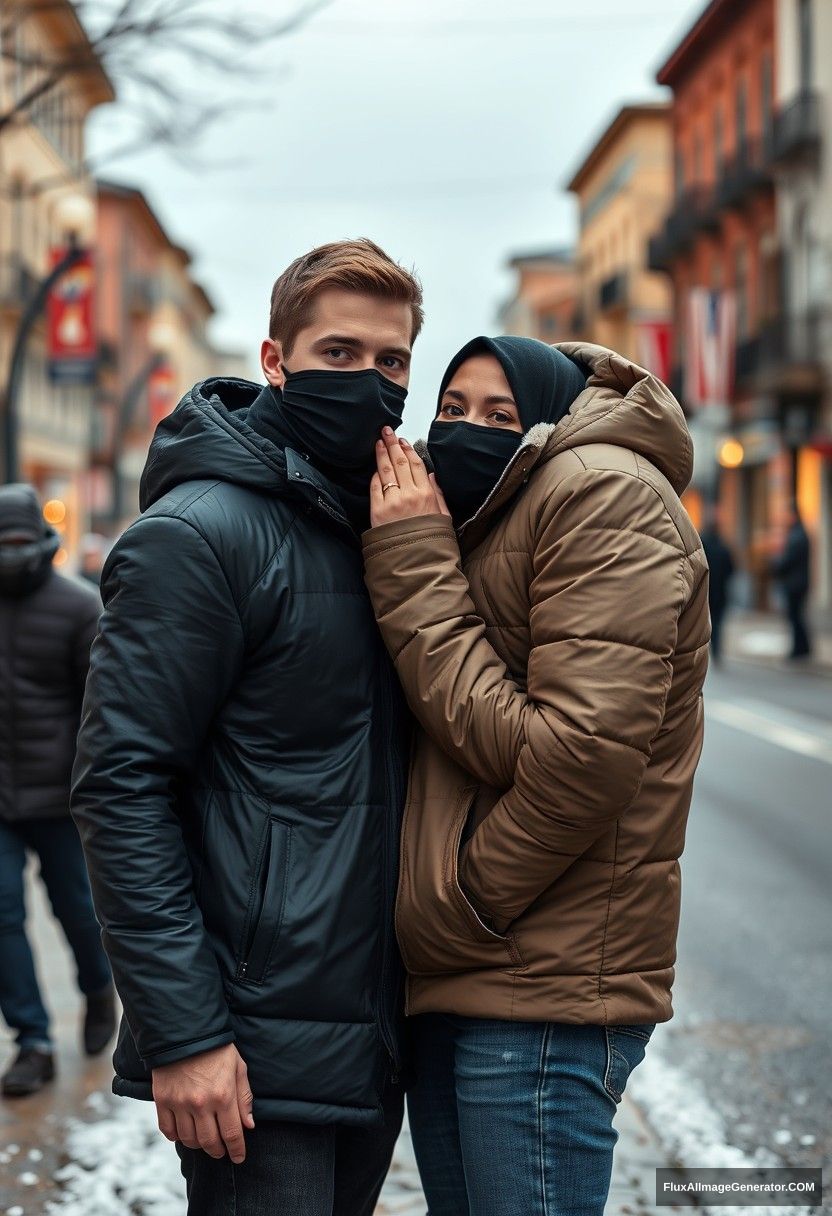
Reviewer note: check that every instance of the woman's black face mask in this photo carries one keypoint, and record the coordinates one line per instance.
(469, 461)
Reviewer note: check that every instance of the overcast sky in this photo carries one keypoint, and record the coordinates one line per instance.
(443, 129)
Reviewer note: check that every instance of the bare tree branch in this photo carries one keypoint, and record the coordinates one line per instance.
(120, 34)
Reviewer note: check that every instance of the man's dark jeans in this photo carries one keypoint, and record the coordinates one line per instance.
(296, 1169)
(796, 614)
(62, 868)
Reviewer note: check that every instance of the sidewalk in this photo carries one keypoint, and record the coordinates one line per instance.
(74, 1150)
(758, 637)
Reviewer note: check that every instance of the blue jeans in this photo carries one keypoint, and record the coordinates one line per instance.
(64, 873)
(515, 1118)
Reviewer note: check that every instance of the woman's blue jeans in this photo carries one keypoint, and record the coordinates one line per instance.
(515, 1118)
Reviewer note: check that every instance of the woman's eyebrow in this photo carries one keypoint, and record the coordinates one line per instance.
(501, 401)
(452, 392)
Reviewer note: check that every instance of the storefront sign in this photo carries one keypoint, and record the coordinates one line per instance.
(70, 314)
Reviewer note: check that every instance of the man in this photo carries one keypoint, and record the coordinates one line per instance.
(721, 571)
(47, 623)
(792, 570)
(241, 765)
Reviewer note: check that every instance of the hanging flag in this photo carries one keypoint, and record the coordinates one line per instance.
(161, 392)
(70, 317)
(711, 338)
(654, 344)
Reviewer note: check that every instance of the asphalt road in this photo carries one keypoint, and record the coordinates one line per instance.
(754, 981)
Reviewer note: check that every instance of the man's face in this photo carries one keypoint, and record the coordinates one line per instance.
(347, 332)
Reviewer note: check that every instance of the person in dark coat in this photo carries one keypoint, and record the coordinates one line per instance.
(47, 623)
(721, 566)
(242, 763)
(792, 572)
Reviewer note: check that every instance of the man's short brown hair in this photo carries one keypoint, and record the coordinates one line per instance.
(359, 266)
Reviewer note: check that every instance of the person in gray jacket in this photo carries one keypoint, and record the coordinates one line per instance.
(47, 623)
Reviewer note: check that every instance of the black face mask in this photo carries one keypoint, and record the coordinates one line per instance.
(335, 418)
(468, 461)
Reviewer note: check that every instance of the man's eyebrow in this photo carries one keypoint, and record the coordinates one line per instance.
(338, 340)
(403, 352)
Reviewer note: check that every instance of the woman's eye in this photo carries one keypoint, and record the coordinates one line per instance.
(453, 411)
(502, 418)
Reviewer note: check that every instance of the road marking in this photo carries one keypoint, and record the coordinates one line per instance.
(740, 718)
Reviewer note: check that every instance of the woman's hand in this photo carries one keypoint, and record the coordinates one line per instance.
(402, 488)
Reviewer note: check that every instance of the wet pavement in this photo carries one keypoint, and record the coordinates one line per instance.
(74, 1150)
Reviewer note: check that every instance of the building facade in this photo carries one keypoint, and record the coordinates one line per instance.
(42, 154)
(153, 319)
(804, 213)
(748, 315)
(623, 188)
(544, 302)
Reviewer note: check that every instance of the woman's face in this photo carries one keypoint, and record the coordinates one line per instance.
(480, 393)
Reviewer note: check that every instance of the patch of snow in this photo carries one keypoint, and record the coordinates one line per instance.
(28, 1179)
(119, 1166)
(690, 1129)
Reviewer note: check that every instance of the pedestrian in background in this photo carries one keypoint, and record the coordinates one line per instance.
(47, 623)
(721, 565)
(792, 572)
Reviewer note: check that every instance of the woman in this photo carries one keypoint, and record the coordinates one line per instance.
(551, 637)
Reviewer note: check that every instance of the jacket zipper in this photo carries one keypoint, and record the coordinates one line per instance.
(394, 797)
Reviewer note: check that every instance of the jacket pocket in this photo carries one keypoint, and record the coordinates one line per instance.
(267, 903)
(476, 925)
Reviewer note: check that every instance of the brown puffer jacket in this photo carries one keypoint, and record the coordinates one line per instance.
(557, 671)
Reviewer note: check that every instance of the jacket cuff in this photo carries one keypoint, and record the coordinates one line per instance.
(185, 1050)
(417, 527)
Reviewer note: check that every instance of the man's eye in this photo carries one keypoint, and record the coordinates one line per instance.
(335, 351)
(392, 362)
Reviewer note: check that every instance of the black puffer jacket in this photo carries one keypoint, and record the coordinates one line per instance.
(241, 772)
(47, 623)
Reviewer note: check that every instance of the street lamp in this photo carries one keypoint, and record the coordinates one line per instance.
(75, 214)
(161, 339)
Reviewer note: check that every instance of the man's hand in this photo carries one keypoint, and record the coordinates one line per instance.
(205, 1102)
(402, 487)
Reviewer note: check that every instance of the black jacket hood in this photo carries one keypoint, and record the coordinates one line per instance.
(207, 437)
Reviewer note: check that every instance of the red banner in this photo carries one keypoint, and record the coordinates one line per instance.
(70, 315)
(161, 393)
(654, 347)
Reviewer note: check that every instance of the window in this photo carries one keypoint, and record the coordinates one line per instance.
(719, 143)
(804, 35)
(697, 158)
(679, 171)
(741, 290)
(767, 94)
(742, 119)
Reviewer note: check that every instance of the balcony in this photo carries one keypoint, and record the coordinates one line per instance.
(694, 213)
(18, 283)
(613, 294)
(798, 128)
(748, 172)
(786, 355)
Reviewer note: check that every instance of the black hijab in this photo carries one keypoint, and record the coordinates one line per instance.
(469, 459)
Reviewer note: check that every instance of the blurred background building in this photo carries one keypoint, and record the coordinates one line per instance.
(124, 331)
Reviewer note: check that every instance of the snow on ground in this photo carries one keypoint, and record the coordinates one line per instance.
(120, 1165)
(690, 1129)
